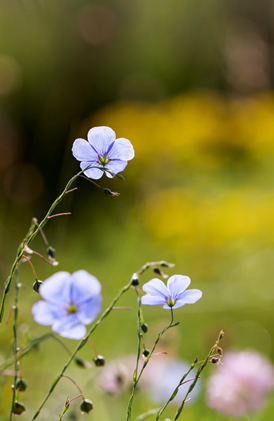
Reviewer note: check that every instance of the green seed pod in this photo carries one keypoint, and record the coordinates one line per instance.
(18, 408)
(86, 406)
(145, 352)
(99, 361)
(36, 285)
(144, 327)
(21, 385)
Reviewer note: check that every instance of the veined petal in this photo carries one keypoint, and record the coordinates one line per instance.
(56, 289)
(89, 310)
(190, 296)
(83, 151)
(150, 300)
(156, 287)
(122, 149)
(94, 173)
(46, 314)
(115, 167)
(177, 284)
(69, 327)
(101, 138)
(84, 286)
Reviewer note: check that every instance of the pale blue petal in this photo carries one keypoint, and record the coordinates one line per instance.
(89, 310)
(101, 138)
(190, 296)
(156, 287)
(177, 284)
(122, 149)
(84, 286)
(46, 314)
(94, 173)
(56, 289)
(82, 151)
(150, 300)
(115, 167)
(69, 327)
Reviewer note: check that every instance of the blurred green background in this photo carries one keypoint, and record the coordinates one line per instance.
(189, 83)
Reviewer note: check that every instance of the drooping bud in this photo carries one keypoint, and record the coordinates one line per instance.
(18, 408)
(36, 285)
(81, 363)
(145, 352)
(51, 252)
(86, 406)
(99, 361)
(144, 327)
(219, 351)
(215, 360)
(120, 177)
(21, 385)
(135, 280)
(159, 271)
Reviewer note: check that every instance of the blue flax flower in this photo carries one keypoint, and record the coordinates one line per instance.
(102, 150)
(173, 295)
(71, 302)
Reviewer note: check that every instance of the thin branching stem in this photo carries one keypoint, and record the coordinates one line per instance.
(137, 377)
(15, 350)
(200, 369)
(80, 345)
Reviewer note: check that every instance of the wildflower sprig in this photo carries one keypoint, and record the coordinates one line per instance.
(194, 381)
(35, 228)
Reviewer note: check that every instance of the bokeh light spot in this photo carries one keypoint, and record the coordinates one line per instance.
(97, 24)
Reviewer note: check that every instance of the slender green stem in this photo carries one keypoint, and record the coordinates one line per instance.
(152, 265)
(15, 350)
(137, 377)
(138, 354)
(174, 393)
(146, 414)
(33, 231)
(28, 348)
(80, 345)
(200, 369)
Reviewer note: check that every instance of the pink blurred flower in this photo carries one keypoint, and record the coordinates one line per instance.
(116, 376)
(241, 384)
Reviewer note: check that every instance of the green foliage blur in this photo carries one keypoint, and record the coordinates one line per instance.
(189, 83)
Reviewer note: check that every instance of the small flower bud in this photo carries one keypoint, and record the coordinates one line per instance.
(165, 264)
(120, 177)
(81, 363)
(135, 280)
(107, 192)
(18, 408)
(99, 361)
(36, 285)
(158, 271)
(219, 351)
(145, 352)
(86, 406)
(21, 385)
(215, 360)
(51, 252)
(144, 327)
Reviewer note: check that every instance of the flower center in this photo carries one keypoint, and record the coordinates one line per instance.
(72, 308)
(171, 302)
(103, 160)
